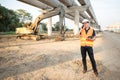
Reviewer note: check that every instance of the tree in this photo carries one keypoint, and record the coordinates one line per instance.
(56, 26)
(44, 26)
(23, 15)
(62, 30)
(8, 19)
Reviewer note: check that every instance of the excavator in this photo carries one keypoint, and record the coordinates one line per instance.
(32, 31)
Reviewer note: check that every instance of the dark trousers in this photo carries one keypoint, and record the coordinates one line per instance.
(91, 56)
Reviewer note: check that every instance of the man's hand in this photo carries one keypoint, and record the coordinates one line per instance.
(84, 27)
(79, 34)
(91, 38)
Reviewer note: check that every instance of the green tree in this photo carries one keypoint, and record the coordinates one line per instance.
(24, 16)
(44, 26)
(56, 26)
(8, 19)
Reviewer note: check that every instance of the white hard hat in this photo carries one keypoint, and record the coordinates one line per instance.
(85, 21)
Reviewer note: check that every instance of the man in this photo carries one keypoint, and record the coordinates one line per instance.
(87, 37)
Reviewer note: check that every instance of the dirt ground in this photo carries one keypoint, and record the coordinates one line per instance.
(50, 60)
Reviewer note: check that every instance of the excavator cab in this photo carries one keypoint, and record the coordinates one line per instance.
(28, 32)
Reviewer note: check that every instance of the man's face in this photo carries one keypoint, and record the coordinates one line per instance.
(85, 25)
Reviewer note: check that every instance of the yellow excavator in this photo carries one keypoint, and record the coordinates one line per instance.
(32, 31)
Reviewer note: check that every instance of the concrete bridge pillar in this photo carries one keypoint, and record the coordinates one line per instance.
(49, 26)
(76, 23)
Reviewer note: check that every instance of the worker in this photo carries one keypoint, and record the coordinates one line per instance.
(87, 37)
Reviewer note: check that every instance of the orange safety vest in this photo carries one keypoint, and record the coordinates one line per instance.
(83, 38)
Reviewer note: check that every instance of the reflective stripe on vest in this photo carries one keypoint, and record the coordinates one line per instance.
(84, 36)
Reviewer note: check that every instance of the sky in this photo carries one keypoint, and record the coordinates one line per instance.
(107, 11)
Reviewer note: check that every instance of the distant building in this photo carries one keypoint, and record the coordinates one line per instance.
(114, 27)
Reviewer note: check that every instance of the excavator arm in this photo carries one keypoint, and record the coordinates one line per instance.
(31, 28)
(48, 14)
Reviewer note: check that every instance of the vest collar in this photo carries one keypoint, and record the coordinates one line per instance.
(87, 28)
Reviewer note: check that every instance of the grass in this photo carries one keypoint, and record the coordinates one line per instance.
(9, 33)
